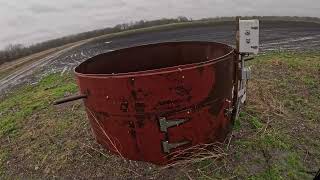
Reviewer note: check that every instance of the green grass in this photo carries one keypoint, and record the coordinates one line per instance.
(283, 95)
(3, 157)
(272, 173)
(22, 103)
(255, 122)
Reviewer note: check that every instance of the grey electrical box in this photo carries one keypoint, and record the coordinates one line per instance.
(249, 36)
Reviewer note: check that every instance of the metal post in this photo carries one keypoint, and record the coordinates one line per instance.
(240, 85)
(237, 34)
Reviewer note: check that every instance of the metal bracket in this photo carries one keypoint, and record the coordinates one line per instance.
(242, 94)
(246, 73)
(166, 146)
(165, 124)
(228, 110)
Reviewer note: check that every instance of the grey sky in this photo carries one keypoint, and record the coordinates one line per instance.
(32, 21)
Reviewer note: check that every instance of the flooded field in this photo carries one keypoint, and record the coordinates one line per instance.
(274, 36)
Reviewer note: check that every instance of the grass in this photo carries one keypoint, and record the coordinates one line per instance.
(275, 137)
(24, 102)
(3, 156)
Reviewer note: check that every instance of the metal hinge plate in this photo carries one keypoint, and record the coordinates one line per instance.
(165, 124)
(167, 147)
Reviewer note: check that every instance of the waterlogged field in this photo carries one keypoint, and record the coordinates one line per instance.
(277, 135)
(275, 35)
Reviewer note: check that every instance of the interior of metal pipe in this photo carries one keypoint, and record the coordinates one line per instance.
(151, 57)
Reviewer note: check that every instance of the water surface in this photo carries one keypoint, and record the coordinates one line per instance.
(33, 21)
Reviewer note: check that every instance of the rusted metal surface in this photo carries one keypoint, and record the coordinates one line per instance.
(146, 102)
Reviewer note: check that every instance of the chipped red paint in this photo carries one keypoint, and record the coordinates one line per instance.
(128, 90)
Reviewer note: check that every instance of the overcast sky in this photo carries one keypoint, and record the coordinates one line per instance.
(30, 21)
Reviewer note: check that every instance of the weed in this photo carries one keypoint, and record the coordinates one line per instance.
(255, 122)
(237, 124)
(272, 173)
(3, 158)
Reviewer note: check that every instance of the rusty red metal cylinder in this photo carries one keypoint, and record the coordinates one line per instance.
(148, 101)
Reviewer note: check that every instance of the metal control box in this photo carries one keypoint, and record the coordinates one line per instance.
(249, 36)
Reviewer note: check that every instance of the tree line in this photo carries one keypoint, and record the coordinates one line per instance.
(15, 51)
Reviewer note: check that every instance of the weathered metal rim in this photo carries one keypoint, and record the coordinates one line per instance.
(165, 70)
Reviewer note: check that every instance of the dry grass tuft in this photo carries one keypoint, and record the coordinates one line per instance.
(195, 154)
